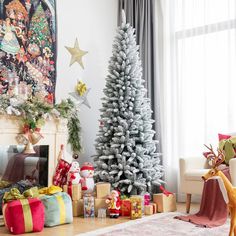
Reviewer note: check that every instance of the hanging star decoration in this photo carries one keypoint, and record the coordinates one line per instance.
(76, 54)
(81, 93)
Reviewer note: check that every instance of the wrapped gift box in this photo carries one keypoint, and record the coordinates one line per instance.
(102, 213)
(78, 207)
(58, 209)
(142, 200)
(100, 203)
(148, 210)
(24, 215)
(103, 190)
(74, 191)
(89, 206)
(125, 207)
(147, 199)
(154, 206)
(165, 203)
(136, 207)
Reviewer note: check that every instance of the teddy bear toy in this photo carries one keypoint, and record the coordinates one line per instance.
(73, 176)
(87, 173)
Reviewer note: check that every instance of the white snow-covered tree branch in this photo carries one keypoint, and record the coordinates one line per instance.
(126, 151)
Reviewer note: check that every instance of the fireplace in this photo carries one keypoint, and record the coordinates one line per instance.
(54, 134)
(20, 169)
(17, 165)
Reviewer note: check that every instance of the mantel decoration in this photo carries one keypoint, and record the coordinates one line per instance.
(34, 112)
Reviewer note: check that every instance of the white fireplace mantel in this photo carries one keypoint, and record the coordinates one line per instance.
(54, 134)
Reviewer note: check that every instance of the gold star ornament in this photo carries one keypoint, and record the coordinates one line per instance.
(76, 54)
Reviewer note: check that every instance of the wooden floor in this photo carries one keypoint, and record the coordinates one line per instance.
(82, 225)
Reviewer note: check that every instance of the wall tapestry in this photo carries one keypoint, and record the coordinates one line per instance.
(28, 48)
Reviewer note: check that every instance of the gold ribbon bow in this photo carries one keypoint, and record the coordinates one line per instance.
(4, 184)
(14, 194)
(81, 88)
(228, 146)
(50, 190)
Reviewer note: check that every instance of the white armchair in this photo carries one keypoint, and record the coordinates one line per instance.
(191, 171)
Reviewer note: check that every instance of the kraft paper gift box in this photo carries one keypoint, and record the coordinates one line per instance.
(102, 213)
(125, 207)
(136, 207)
(148, 210)
(154, 206)
(24, 215)
(100, 203)
(78, 207)
(58, 209)
(74, 191)
(165, 203)
(89, 206)
(103, 189)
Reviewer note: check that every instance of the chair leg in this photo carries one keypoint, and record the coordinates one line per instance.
(188, 202)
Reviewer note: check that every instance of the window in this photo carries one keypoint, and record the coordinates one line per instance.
(205, 49)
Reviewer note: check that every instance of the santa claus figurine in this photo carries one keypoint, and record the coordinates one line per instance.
(114, 204)
(87, 181)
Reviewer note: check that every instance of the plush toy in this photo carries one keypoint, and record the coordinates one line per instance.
(114, 204)
(227, 189)
(87, 181)
(73, 176)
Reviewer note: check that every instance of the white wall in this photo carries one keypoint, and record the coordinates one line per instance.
(93, 22)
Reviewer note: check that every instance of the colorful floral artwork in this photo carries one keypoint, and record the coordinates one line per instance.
(28, 48)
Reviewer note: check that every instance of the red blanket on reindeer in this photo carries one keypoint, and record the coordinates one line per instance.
(217, 192)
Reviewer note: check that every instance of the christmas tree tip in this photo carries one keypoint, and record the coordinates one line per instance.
(123, 16)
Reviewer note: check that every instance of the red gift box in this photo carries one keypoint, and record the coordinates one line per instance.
(24, 215)
(125, 207)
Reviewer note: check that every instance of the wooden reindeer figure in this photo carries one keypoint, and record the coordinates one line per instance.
(215, 173)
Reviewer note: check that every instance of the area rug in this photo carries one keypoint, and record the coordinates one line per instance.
(162, 224)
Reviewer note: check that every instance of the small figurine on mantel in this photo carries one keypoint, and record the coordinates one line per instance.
(87, 181)
(114, 204)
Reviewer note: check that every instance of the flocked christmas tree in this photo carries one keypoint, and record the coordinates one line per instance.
(126, 151)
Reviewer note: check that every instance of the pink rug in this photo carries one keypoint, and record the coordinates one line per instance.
(162, 224)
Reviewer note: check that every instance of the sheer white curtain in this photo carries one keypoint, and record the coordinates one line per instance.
(199, 77)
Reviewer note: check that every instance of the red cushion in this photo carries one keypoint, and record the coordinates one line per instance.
(223, 136)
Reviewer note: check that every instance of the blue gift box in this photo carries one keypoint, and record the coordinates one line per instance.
(58, 209)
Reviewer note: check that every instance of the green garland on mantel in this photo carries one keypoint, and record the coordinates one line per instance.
(34, 113)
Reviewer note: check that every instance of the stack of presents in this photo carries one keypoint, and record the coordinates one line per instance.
(37, 207)
(97, 204)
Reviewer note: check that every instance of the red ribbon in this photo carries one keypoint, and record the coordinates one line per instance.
(37, 129)
(26, 129)
(165, 192)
